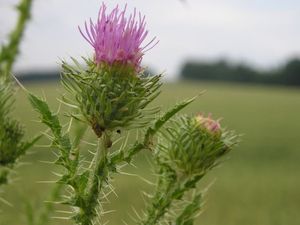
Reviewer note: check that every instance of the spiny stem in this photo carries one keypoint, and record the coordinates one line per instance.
(170, 187)
(9, 52)
(161, 203)
(98, 178)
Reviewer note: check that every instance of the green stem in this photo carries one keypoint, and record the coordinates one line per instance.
(169, 188)
(10, 51)
(97, 180)
(160, 205)
(163, 197)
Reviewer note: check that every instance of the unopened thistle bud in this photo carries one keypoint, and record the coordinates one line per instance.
(112, 91)
(193, 145)
(209, 124)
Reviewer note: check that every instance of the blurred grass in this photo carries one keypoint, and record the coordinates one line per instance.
(258, 185)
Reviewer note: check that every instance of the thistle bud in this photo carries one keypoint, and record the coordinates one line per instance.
(193, 145)
(212, 126)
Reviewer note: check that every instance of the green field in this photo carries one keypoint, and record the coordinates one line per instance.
(258, 185)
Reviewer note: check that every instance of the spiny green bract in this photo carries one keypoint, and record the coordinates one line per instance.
(192, 149)
(109, 98)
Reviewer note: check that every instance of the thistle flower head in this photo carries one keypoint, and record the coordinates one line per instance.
(107, 95)
(117, 39)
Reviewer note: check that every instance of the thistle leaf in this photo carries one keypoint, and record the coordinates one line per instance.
(47, 116)
(168, 115)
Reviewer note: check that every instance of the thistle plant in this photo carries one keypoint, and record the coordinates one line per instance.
(12, 145)
(111, 92)
(187, 149)
(111, 95)
(11, 134)
(9, 52)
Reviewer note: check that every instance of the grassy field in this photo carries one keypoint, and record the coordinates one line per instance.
(258, 185)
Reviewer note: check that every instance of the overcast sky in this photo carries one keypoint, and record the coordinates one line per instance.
(259, 32)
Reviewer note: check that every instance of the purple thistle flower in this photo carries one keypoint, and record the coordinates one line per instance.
(117, 39)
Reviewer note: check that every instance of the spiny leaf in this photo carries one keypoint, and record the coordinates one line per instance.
(188, 214)
(47, 116)
(169, 114)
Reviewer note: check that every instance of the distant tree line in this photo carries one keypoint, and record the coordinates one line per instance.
(54, 75)
(287, 74)
(37, 76)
